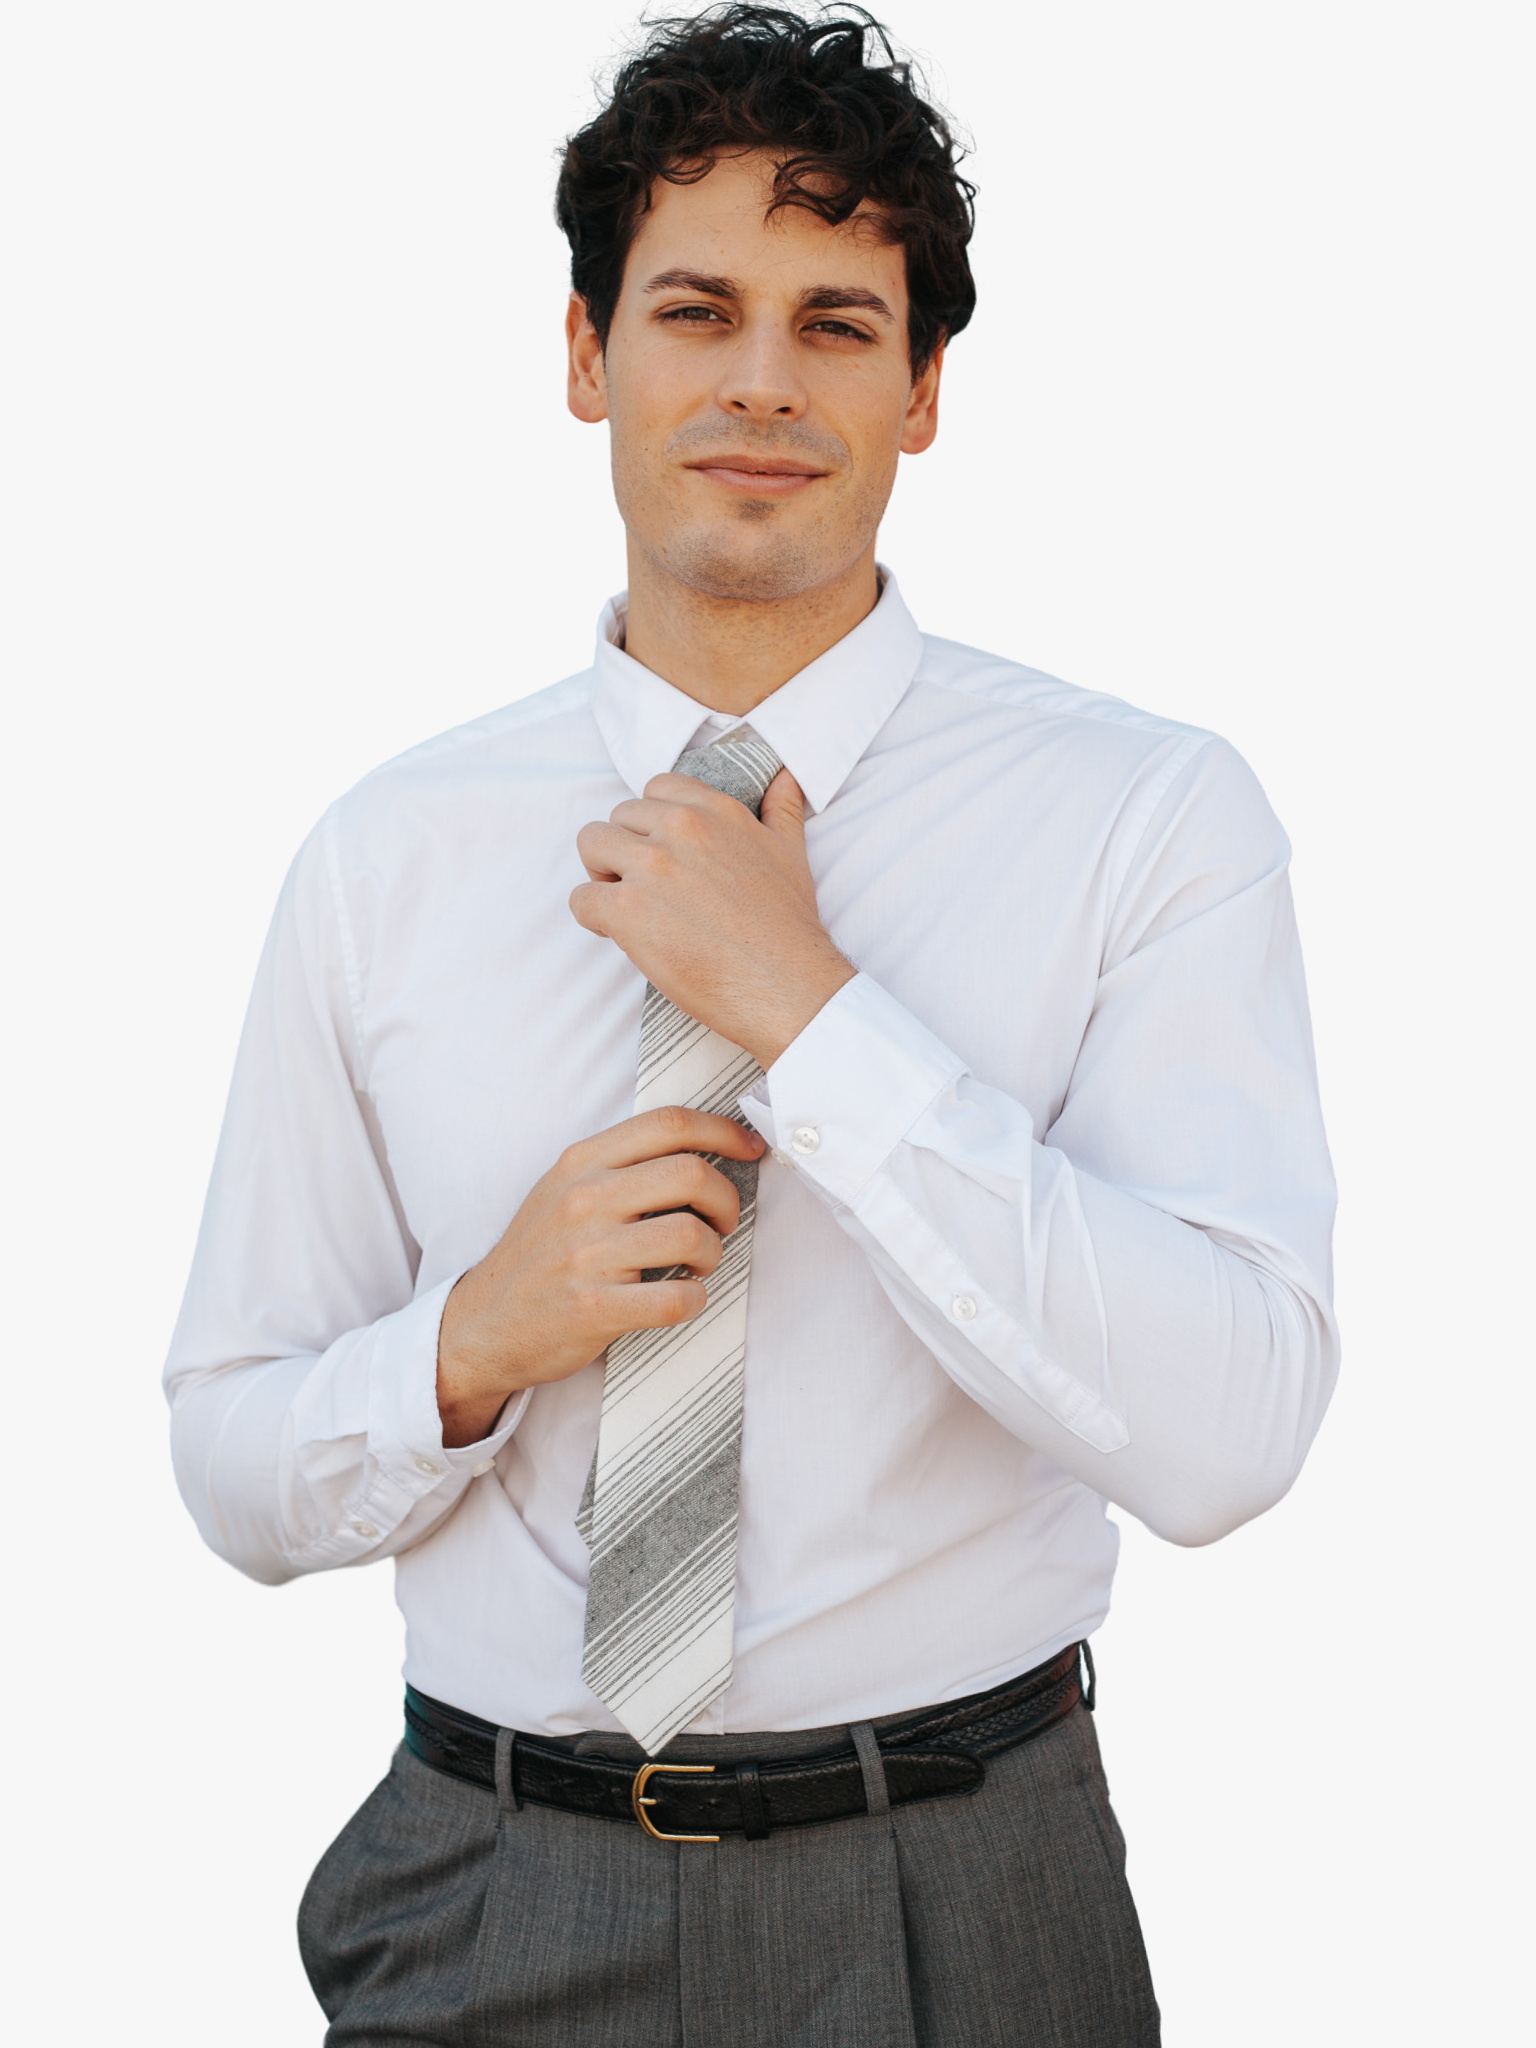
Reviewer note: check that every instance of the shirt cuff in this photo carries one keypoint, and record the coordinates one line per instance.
(841, 1097)
(405, 1428)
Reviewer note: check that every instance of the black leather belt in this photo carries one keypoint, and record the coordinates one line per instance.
(935, 1755)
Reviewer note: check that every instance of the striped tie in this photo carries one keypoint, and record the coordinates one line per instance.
(659, 1510)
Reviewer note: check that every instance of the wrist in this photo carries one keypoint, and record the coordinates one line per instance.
(471, 1393)
(778, 1026)
(468, 1422)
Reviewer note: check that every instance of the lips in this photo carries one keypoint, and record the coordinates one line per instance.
(762, 475)
(759, 465)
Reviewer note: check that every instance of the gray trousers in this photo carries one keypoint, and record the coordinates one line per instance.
(1000, 1919)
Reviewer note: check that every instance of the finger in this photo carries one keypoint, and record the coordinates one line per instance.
(784, 808)
(680, 1239)
(667, 790)
(657, 1132)
(653, 1304)
(685, 1180)
(641, 815)
(589, 906)
(608, 852)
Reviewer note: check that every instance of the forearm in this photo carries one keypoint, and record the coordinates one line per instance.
(1178, 1364)
(1174, 1376)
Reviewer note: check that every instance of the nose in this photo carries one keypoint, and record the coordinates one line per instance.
(761, 378)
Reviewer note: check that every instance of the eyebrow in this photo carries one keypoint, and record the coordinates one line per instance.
(817, 298)
(694, 281)
(828, 298)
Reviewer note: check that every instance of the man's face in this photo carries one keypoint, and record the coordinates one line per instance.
(757, 386)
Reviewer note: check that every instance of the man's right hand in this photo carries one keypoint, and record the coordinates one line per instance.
(564, 1280)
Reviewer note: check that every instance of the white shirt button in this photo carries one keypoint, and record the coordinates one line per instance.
(806, 1139)
(364, 1529)
(963, 1308)
(426, 1465)
(782, 1157)
(485, 1465)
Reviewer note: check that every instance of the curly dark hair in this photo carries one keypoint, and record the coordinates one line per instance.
(845, 130)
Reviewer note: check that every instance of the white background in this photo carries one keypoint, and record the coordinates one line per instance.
(1242, 432)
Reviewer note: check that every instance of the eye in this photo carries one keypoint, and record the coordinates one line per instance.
(693, 315)
(840, 330)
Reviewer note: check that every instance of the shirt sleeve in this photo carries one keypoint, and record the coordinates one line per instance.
(1140, 1291)
(302, 1376)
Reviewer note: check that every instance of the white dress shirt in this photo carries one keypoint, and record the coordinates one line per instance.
(1045, 1225)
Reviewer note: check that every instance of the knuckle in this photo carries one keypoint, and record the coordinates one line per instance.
(590, 1299)
(684, 1299)
(674, 1121)
(674, 1234)
(573, 1160)
(573, 1266)
(588, 1305)
(716, 1186)
(674, 1240)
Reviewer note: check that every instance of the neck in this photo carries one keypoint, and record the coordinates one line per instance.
(730, 653)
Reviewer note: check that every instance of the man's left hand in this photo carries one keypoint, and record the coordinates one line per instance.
(717, 909)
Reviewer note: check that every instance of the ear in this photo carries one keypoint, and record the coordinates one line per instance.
(922, 420)
(586, 387)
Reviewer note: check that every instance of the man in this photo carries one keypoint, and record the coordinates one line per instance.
(730, 1260)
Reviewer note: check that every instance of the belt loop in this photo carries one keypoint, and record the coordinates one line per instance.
(877, 1794)
(749, 1783)
(506, 1771)
(1091, 1690)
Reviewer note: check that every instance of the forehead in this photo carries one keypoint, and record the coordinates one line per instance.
(721, 225)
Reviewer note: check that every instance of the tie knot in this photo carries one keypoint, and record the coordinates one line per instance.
(739, 763)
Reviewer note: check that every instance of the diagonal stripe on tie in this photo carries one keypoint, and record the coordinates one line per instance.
(659, 1510)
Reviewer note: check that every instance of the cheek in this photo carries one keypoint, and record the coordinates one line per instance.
(641, 425)
(873, 434)
(658, 385)
(640, 407)
(867, 407)
(639, 472)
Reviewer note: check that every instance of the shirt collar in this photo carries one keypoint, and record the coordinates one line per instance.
(819, 723)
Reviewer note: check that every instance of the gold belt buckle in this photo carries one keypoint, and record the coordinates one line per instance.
(638, 1800)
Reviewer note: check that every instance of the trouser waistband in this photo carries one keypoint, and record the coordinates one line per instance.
(931, 1753)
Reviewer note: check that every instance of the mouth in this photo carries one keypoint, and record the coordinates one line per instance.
(759, 476)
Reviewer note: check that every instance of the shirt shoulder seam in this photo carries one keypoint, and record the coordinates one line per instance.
(1140, 815)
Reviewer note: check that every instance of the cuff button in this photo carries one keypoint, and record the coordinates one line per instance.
(364, 1529)
(963, 1308)
(806, 1139)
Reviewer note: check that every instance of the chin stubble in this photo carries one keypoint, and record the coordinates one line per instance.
(771, 565)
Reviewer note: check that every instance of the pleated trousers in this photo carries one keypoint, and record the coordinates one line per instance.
(1002, 1919)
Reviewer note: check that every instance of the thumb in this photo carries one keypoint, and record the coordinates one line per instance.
(783, 809)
